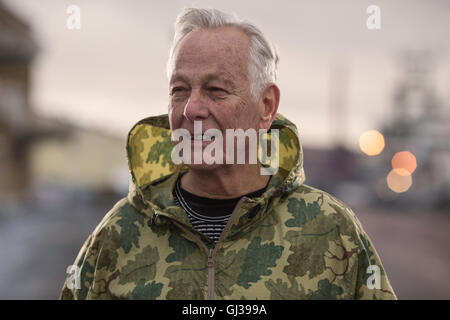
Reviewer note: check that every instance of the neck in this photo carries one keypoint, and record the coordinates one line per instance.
(225, 182)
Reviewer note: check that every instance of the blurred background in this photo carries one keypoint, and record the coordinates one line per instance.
(372, 107)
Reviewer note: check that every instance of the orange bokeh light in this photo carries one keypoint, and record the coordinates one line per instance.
(404, 160)
(399, 180)
(371, 142)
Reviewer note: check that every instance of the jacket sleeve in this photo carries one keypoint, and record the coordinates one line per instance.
(81, 274)
(80, 284)
(372, 281)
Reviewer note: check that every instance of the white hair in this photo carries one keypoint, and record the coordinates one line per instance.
(263, 56)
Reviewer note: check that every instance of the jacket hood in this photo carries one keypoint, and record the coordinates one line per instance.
(149, 148)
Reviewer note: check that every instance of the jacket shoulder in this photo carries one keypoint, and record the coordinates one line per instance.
(97, 250)
(317, 214)
(310, 204)
(123, 212)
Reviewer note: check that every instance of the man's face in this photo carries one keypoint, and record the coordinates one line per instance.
(210, 82)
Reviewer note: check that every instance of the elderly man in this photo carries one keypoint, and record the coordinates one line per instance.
(221, 230)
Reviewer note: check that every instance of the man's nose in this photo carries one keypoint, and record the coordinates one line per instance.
(196, 107)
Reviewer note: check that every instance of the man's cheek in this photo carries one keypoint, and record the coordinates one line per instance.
(175, 118)
(170, 118)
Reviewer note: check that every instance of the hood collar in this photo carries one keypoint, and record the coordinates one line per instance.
(149, 149)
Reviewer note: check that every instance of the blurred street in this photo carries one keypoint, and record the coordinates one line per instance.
(414, 249)
(38, 242)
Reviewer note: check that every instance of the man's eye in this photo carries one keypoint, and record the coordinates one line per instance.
(217, 89)
(178, 89)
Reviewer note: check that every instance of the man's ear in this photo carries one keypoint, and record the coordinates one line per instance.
(270, 100)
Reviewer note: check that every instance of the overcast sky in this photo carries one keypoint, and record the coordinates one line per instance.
(111, 72)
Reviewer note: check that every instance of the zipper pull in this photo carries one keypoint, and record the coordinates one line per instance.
(151, 223)
(210, 263)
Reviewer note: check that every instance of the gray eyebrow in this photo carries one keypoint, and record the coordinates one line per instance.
(224, 79)
(222, 76)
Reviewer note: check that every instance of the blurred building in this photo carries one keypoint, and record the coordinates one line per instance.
(17, 51)
(39, 151)
(327, 168)
(420, 124)
(79, 158)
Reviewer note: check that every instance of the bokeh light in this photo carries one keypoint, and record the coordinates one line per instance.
(404, 160)
(399, 180)
(371, 142)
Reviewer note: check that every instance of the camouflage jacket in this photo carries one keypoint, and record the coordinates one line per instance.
(293, 242)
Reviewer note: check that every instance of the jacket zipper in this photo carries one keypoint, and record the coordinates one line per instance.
(211, 253)
(211, 277)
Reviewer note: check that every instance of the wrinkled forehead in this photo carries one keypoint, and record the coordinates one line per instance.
(223, 49)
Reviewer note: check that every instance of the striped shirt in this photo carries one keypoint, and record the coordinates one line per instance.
(208, 216)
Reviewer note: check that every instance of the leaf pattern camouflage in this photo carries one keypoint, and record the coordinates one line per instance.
(293, 242)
